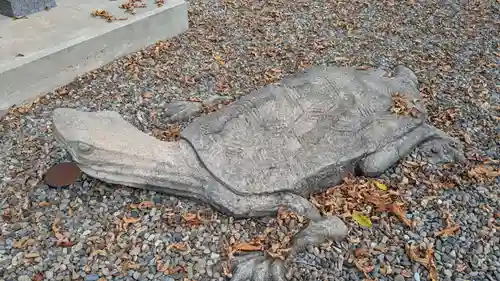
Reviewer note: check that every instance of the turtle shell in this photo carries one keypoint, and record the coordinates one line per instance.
(302, 134)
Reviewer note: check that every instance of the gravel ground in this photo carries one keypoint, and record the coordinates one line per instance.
(90, 231)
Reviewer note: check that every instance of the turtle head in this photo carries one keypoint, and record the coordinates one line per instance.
(104, 145)
(86, 135)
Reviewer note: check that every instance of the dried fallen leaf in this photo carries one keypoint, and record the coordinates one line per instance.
(246, 247)
(105, 15)
(38, 276)
(98, 253)
(398, 211)
(32, 255)
(226, 270)
(362, 220)
(361, 252)
(180, 246)
(380, 185)
(23, 243)
(44, 204)
(129, 265)
(449, 231)
(127, 221)
(483, 173)
(147, 95)
(219, 60)
(192, 219)
(432, 268)
(428, 260)
(255, 244)
(400, 106)
(65, 244)
(142, 205)
(55, 225)
(414, 254)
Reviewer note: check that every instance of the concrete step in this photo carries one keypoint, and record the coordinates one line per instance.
(51, 48)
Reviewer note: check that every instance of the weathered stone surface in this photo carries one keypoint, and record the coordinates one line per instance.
(310, 130)
(179, 111)
(21, 8)
(269, 149)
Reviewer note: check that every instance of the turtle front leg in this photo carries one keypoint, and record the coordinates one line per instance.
(259, 267)
(431, 141)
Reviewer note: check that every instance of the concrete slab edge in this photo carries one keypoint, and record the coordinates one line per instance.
(26, 82)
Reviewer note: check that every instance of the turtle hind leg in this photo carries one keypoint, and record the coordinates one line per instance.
(259, 267)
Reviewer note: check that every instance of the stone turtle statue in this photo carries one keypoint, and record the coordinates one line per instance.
(271, 148)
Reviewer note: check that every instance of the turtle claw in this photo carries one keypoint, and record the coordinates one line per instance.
(317, 232)
(442, 150)
(257, 267)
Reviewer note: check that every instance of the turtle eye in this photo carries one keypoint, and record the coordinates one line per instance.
(84, 148)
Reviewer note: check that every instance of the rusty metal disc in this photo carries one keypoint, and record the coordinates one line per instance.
(62, 175)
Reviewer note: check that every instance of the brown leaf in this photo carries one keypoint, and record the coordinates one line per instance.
(484, 173)
(180, 246)
(147, 95)
(428, 260)
(398, 211)
(361, 252)
(127, 221)
(255, 244)
(32, 255)
(142, 205)
(129, 265)
(55, 225)
(365, 266)
(226, 270)
(432, 265)
(38, 276)
(65, 244)
(449, 231)
(192, 219)
(98, 253)
(60, 236)
(467, 138)
(246, 247)
(44, 204)
(23, 243)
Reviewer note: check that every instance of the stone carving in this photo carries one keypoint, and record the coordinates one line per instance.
(179, 111)
(272, 148)
(21, 8)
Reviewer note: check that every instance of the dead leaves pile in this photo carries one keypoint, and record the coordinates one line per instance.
(484, 173)
(131, 5)
(271, 242)
(105, 15)
(361, 199)
(401, 106)
(171, 133)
